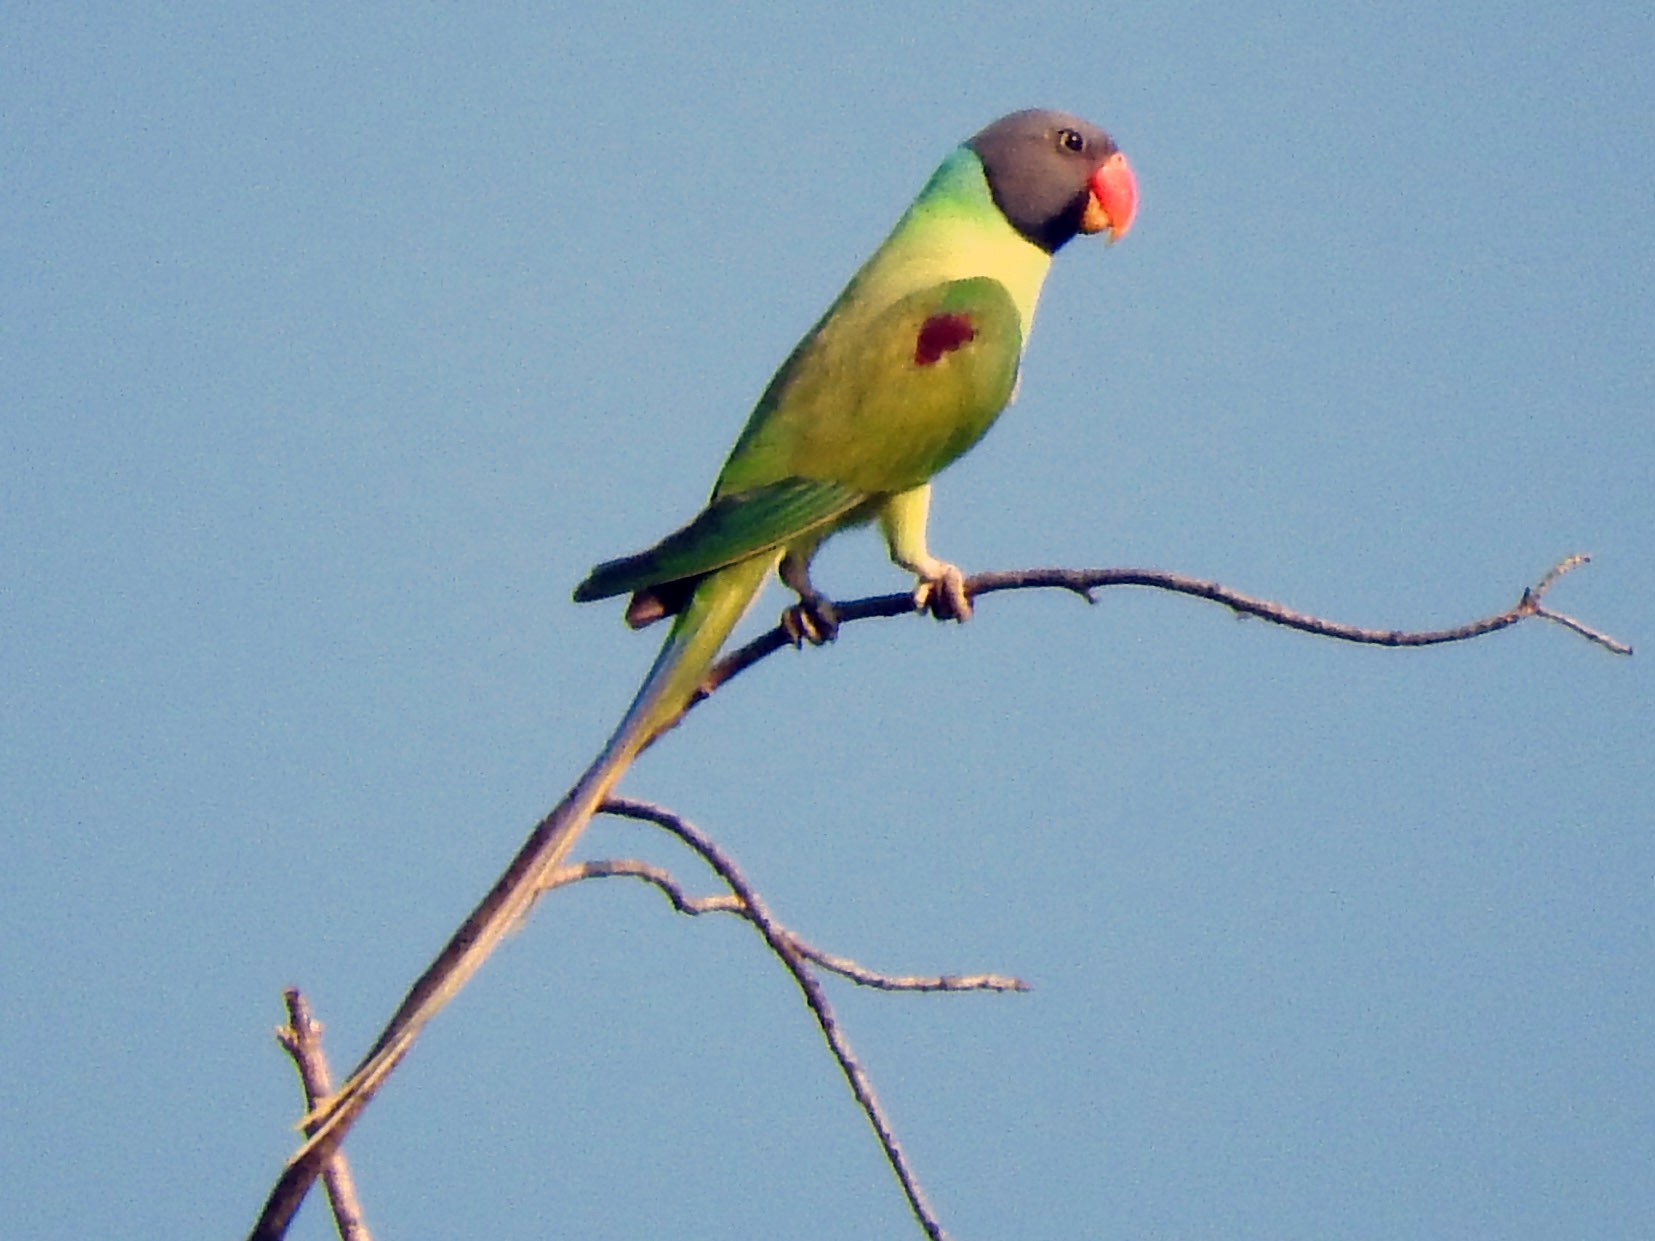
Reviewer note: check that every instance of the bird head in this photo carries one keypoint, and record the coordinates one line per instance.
(1054, 176)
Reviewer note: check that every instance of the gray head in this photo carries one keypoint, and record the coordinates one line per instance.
(1054, 175)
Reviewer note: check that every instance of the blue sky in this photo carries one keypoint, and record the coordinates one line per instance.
(338, 346)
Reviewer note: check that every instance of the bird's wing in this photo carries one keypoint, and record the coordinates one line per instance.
(867, 406)
(729, 529)
(882, 400)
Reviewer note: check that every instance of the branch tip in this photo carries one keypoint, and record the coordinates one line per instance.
(1566, 565)
(1614, 645)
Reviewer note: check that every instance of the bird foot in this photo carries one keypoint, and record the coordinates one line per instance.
(943, 595)
(812, 619)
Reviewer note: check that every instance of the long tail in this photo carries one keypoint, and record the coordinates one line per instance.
(696, 638)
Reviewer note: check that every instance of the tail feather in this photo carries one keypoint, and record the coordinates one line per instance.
(699, 633)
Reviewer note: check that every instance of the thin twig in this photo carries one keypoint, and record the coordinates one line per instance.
(655, 876)
(782, 942)
(673, 890)
(301, 1038)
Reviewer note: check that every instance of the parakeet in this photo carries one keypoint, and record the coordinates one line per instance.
(906, 371)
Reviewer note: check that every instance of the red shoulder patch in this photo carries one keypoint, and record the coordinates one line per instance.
(942, 334)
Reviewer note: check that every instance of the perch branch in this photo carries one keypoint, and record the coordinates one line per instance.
(1083, 582)
(301, 1038)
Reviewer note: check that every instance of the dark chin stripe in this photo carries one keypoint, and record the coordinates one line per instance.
(1034, 220)
(1049, 232)
(1052, 233)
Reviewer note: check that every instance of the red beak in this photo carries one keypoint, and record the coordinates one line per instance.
(1114, 199)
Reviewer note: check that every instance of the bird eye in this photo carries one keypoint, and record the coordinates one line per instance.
(1071, 140)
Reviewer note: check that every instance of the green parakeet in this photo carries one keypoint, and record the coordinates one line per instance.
(906, 370)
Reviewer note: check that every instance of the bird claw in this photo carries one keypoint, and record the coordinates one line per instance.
(943, 595)
(812, 619)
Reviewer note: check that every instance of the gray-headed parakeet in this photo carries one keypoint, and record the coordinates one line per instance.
(906, 370)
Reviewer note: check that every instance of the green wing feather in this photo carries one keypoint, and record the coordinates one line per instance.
(729, 529)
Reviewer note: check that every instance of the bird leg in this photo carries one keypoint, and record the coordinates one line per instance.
(941, 590)
(813, 618)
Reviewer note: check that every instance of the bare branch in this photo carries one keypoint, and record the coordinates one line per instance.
(301, 1038)
(845, 967)
(781, 942)
(655, 876)
(295, 1180)
(1083, 582)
